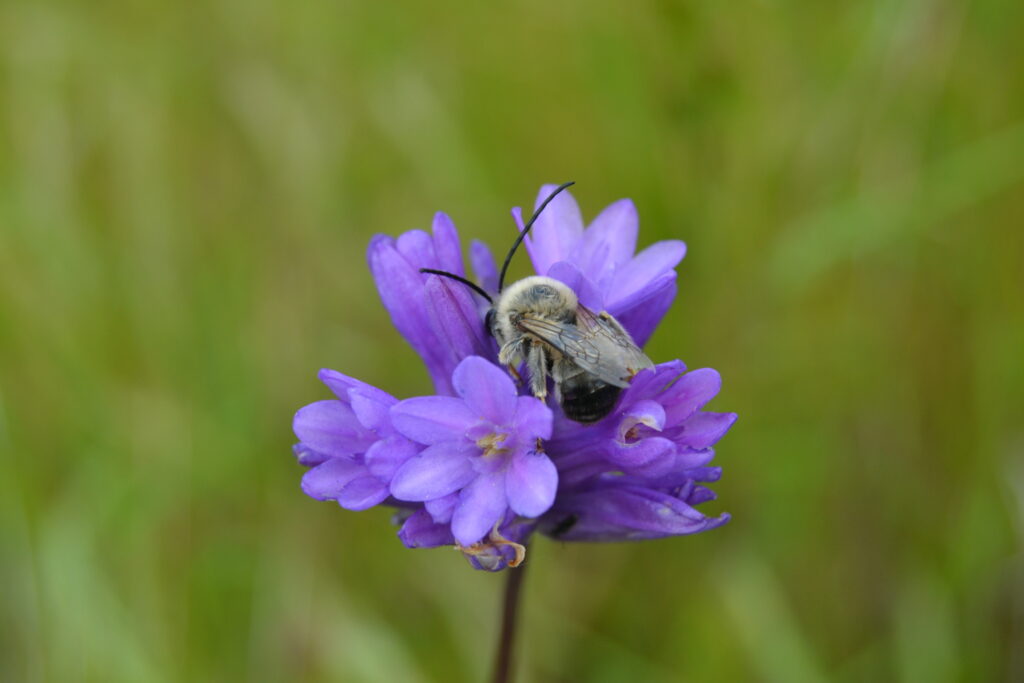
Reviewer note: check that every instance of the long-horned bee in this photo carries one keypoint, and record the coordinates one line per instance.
(538, 320)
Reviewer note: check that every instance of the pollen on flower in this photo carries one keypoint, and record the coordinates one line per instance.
(491, 444)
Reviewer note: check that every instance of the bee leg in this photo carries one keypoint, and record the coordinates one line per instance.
(537, 364)
(560, 370)
(515, 374)
(511, 355)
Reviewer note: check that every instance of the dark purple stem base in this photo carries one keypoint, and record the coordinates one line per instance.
(506, 641)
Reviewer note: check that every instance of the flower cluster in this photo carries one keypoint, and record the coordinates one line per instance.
(482, 465)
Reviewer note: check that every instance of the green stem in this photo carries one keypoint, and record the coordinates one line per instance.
(506, 641)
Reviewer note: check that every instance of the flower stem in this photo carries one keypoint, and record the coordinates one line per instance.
(506, 641)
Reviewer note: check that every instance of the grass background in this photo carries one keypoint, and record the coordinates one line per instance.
(186, 192)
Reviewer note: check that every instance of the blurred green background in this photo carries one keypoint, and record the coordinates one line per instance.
(186, 192)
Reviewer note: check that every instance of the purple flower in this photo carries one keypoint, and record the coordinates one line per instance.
(438, 317)
(350, 444)
(482, 453)
(481, 466)
(598, 261)
(637, 475)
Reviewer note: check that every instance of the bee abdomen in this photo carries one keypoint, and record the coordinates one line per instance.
(588, 400)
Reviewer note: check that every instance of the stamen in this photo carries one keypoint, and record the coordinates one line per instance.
(487, 552)
(491, 444)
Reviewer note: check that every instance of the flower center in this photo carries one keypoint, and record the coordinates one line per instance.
(492, 444)
(635, 429)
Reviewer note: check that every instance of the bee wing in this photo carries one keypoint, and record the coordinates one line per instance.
(596, 343)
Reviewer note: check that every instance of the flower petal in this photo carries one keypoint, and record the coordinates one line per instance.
(441, 509)
(484, 266)
(629, 513)
(646, 412)
(446, 245)
(690, 393)
(307, 457)
(650, 263)
(418, 249)
(488, 391)
(326, 481)
(533, 419)
(401, 289)
(556, 232)
(688, 459)
(387, 455)
(649, 457)
(342, 384)
(362, 493)
(432, 419)
(704, 429)
(331, 428)
(530, 484)
(609, 241)
(641, 312)
(455, 320)
(698, 495)
(651, 382)
(436, 472)
(586, 291)
(371, 413)
(420, 531)
(481, 505)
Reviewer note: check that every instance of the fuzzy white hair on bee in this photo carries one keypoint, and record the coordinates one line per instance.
(539, 321)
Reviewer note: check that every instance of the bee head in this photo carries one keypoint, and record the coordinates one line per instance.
(489, 321)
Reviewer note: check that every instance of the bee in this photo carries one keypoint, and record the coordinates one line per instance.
(539, 321)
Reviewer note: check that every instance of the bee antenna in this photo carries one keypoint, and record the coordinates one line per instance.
(458, 278)
(526, 229)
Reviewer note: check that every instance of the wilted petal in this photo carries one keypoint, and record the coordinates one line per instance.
(481, 505)
(432, 419)
(420, 531)
(325, 481)
(487, 390)
(436, 472)
(331, 428)
(530, 484)
(446, 245)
